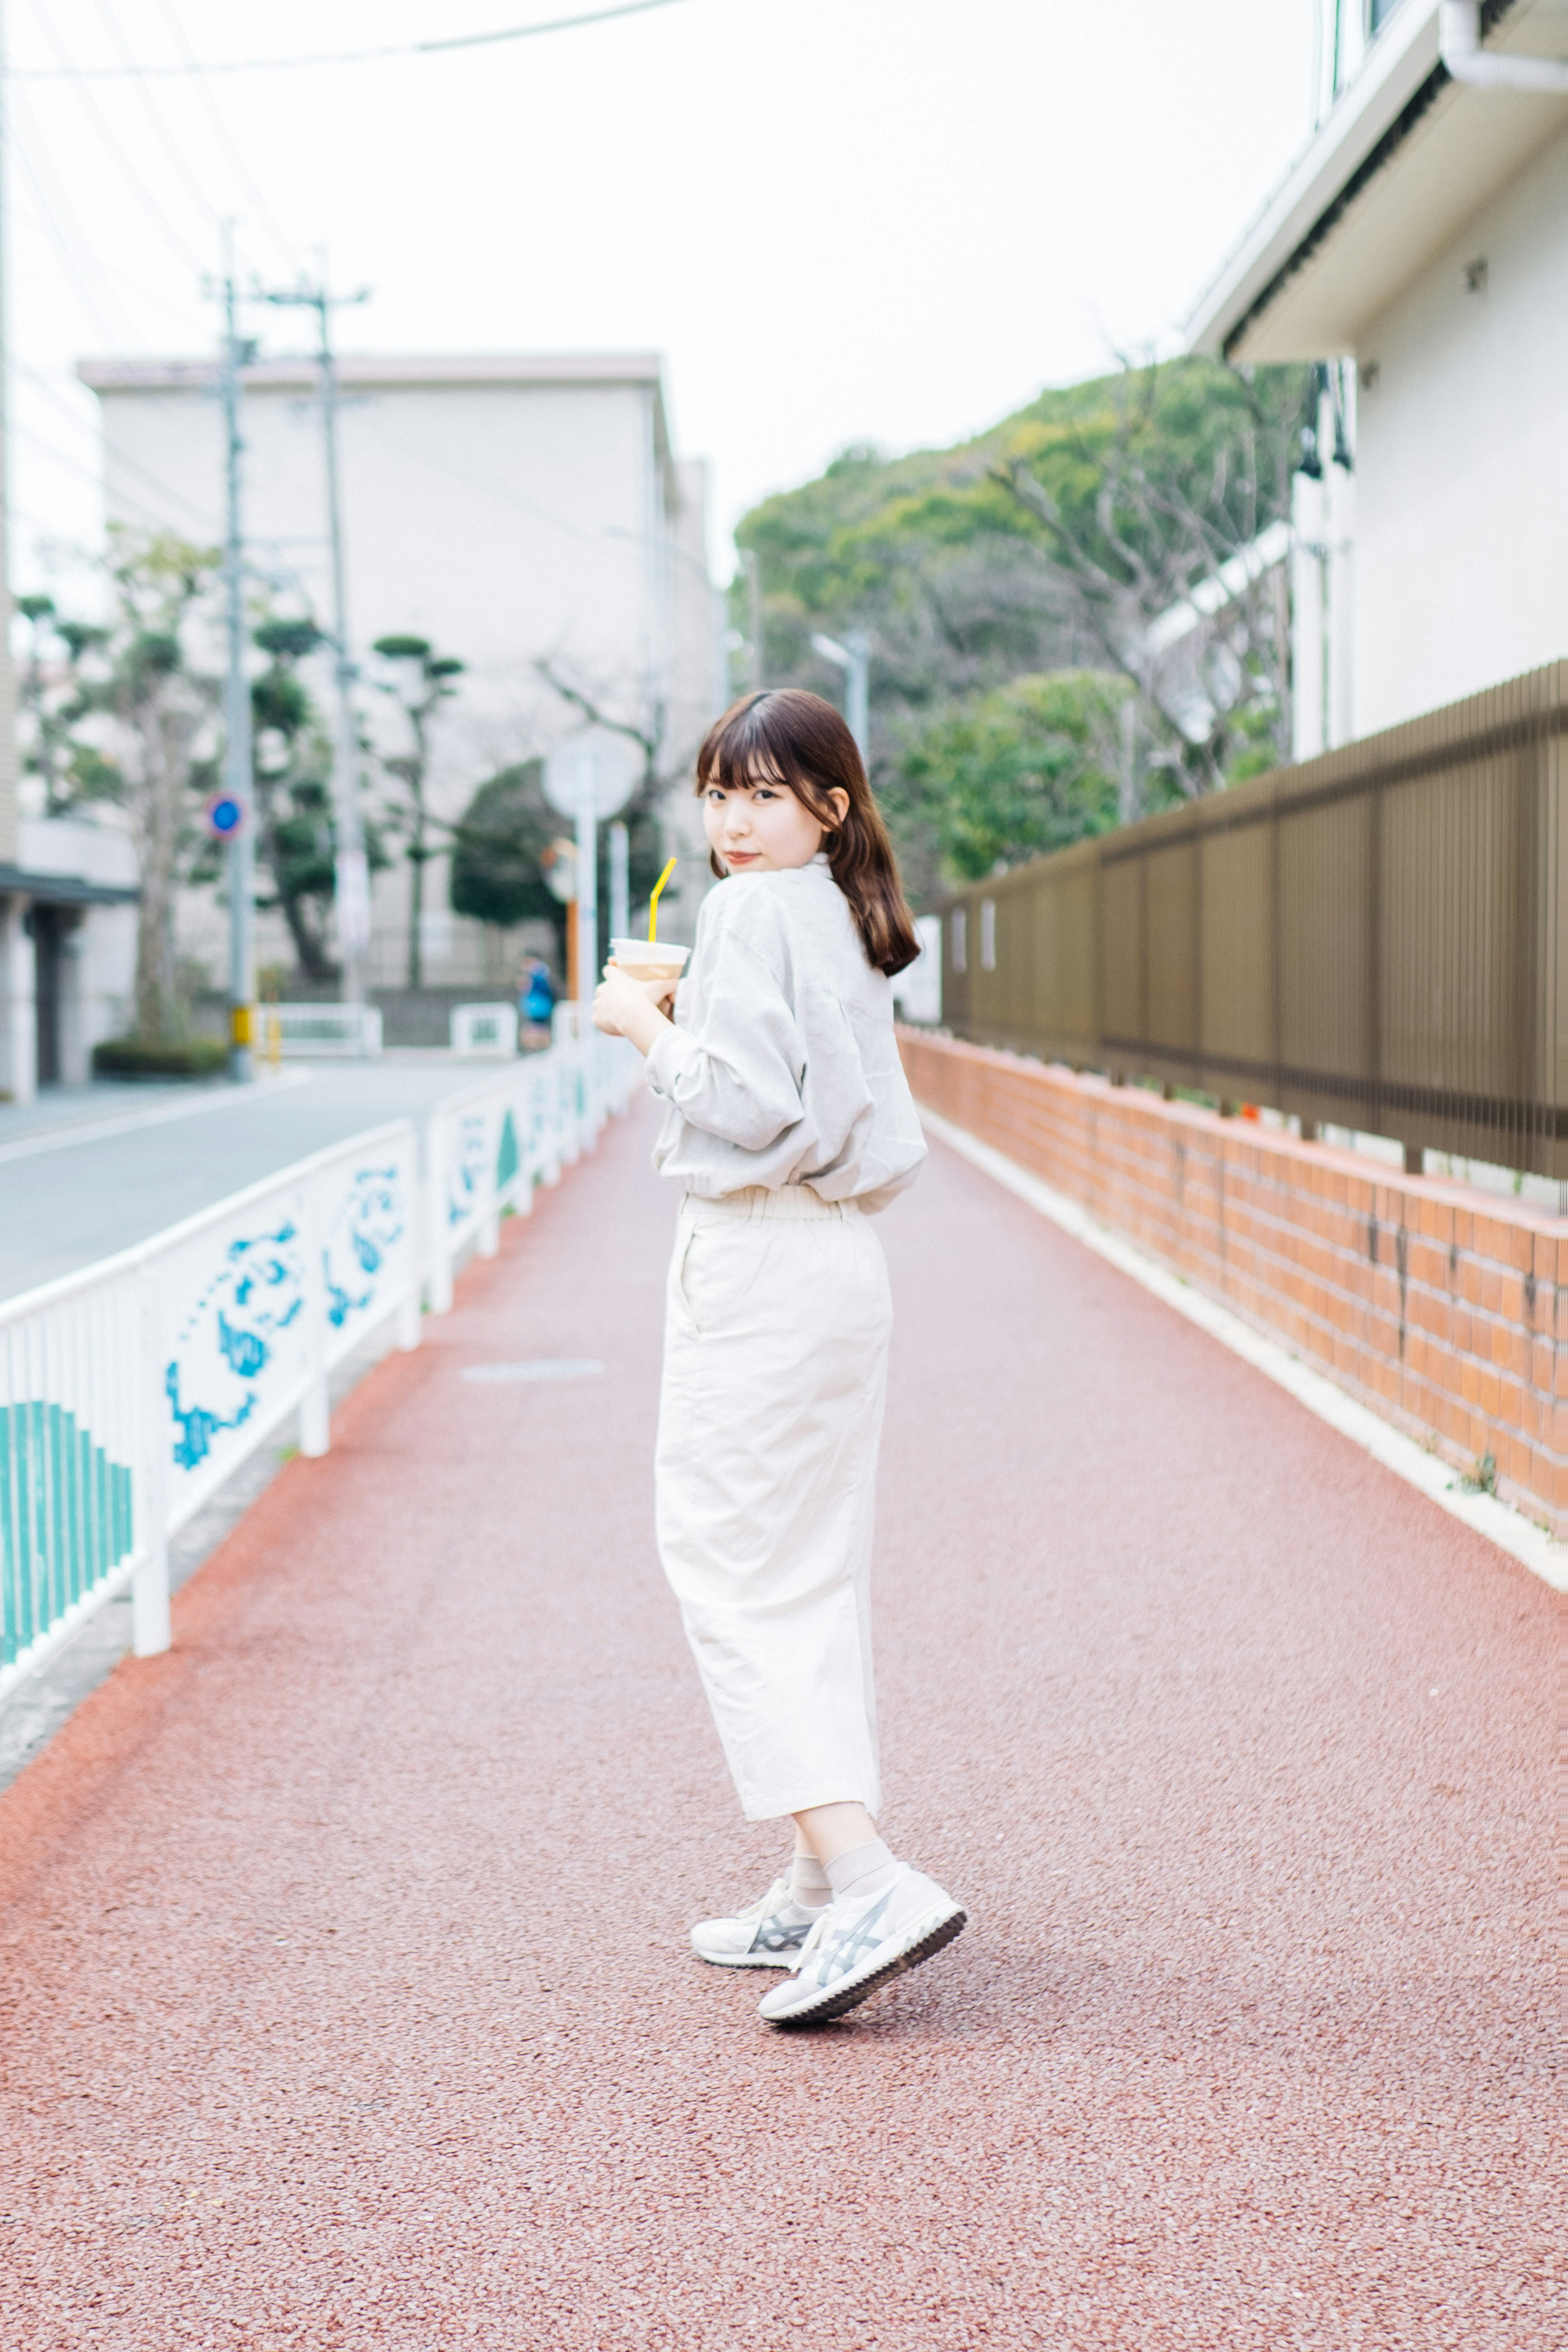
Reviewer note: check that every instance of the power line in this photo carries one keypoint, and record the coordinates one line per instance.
(475, 481)
(151, 109)
(226, 139)
(344, 56)
(54, 217)
(134, 181)
(151, 518)
(131, 465)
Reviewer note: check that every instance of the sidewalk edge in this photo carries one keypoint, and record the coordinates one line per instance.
(1483, 1514)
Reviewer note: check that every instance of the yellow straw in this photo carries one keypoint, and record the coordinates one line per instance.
(653, 903)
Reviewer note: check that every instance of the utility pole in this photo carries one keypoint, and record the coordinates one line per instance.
(237, 761)
(352, 868)
(18, 1032)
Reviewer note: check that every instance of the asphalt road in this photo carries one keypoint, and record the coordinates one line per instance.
(343, 1950)
(82, 1175)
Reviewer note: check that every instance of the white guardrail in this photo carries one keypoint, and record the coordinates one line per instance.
(483, 1029)
(129, 1391)
(314, 1032)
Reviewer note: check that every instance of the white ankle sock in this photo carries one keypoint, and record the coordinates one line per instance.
(864, 1870)
(809, 1883)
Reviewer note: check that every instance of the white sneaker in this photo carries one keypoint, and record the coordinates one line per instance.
(770, 1935)
(858, 1943)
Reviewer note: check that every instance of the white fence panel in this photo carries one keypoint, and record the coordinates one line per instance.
(131, 1392)
(314, 1032)
(261, 1296)
(487, 1148)
(486, 1029)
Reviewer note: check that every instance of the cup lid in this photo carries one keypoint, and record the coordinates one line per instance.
(648, 951)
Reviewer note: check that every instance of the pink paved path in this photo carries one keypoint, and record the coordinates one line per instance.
(346, 2000)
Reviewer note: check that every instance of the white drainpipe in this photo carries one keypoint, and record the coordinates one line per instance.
(1460, 42)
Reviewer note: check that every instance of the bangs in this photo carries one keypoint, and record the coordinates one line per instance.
(745, 751)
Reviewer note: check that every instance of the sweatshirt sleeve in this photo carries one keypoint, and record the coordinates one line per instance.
(738, 1073)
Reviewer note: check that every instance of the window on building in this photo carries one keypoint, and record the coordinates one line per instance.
(988, 935)
(960, 939)
(1378, 14)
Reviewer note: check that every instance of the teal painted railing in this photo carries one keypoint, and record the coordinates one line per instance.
(66, 1520)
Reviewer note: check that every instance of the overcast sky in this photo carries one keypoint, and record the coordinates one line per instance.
(840, 220)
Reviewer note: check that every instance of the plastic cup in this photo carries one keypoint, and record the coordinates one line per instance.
(649, 959)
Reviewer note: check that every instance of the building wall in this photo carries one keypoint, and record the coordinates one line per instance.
(1462, 463)
(1443, 1310)
(99, 964)
(699, 691)
(508, 522)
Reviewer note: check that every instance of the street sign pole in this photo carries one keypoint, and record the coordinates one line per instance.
(590, 778)
(587, 894)
(854, 658)
(620, 883)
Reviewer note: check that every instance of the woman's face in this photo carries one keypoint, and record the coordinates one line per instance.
(760, 827)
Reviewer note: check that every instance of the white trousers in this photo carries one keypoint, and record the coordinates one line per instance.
(775, 1355)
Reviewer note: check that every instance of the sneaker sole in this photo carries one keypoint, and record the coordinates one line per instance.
(746, 1960)
(850, 1996)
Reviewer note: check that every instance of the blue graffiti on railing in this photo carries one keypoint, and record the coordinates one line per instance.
(365, 1228)
(230, 1338)
(468, 1169)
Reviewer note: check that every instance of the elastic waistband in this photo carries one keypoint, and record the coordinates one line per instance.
(762, 1201)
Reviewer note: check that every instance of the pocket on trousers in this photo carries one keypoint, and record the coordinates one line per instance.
(680, 1279)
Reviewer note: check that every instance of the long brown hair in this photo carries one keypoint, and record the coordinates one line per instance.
(789, 737)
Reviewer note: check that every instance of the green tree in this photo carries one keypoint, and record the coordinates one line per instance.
(133, 722)
(497, 853)
(1006, 775)
(1154, 515)
(296, 838)
(291, 800)
(420, 681)
(55, 697)
(1049, 543)
(500, 845)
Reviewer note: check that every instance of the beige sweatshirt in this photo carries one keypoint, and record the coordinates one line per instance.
(782, 1067)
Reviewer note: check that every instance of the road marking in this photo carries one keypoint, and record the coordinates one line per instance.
(538, 1367)
(99, 1130)
(1498, 1522)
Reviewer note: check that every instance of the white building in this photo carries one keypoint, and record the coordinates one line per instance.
(68, 947)
(514, 510)
(1420, 244)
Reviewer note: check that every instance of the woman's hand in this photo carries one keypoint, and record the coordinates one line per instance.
(624, 1007)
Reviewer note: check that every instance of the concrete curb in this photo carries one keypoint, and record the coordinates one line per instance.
(1503, 1525)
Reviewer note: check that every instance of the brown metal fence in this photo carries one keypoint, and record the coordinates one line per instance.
(1371, 939)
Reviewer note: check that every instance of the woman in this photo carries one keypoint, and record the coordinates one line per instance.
(788, 1123)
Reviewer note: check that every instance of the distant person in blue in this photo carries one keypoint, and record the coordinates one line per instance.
(536, 1000)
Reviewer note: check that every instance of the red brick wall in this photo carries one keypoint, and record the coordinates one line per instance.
(1439, 1307)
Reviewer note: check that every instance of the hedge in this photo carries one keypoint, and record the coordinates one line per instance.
(126, 1058)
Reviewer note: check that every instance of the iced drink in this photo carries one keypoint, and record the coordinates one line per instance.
(649, 959)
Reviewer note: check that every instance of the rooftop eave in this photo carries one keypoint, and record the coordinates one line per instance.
(1404, 160)
(1403, 59)
(47, 889)
(376, 371)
